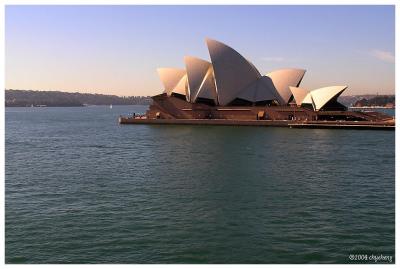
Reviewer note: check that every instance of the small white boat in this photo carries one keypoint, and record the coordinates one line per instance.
(110, 106)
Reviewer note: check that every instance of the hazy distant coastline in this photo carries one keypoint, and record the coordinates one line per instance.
(23, 98)
(368, 101)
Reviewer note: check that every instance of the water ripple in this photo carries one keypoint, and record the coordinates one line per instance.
(82, 189)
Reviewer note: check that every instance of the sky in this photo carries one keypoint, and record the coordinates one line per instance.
(117, 49)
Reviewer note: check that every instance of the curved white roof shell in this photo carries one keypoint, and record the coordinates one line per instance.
(230, 76)
(324, 95)
(207, 88)
(318, 98)
(200, 79)
(299, 95)
(308, 100)
(170, 77)
(260, 90)
(284, 78)
(182, 87)
(231, 70)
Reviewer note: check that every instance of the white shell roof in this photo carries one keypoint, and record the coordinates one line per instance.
(324, 95)
(231, 70)
(308, 99)
(182, 87)
(260, 90)
(284, 78)
(230, 76)
(207, 88)
(170, 77)
(197, 71)
(300, 94)
(318, 97)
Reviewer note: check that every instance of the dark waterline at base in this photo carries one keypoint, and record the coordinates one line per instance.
(82, 189)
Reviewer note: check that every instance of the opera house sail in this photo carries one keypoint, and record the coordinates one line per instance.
(229, 87)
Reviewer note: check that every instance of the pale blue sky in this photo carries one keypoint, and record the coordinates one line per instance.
(116, 49)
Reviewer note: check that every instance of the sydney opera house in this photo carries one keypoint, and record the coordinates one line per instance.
(230, 87)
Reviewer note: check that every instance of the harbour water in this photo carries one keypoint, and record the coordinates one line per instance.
(82, 189)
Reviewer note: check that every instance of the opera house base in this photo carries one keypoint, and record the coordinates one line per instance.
(265, 123)
(171, 110)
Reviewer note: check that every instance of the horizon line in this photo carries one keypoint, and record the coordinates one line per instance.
(68, 91)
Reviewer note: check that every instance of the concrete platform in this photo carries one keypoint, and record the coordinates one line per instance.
(386, 125)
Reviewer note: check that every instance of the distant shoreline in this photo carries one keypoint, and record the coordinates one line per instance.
(25, 98)
(41, 106)
(29, 98)
(369, 107)
(44, 106)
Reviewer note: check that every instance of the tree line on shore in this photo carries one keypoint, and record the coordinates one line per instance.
(380, 100)
(18, 98)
